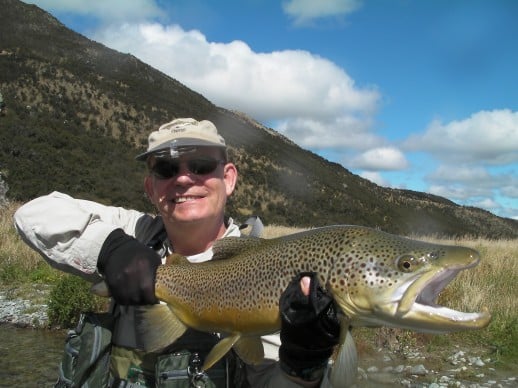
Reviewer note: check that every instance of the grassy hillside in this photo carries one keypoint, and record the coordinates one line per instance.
(78, 112)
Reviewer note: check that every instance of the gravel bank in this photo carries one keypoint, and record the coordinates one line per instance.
(21, 312)
(409, 368)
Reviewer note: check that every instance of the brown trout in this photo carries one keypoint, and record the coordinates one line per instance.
(376, 279)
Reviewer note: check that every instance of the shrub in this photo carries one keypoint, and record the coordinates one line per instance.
(68, 298)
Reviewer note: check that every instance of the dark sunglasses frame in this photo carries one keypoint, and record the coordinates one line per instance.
(169, 168)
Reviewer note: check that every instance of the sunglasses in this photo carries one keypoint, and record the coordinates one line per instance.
(166, 169)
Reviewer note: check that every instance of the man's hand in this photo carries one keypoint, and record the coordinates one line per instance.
(310, 328)
(129, 269)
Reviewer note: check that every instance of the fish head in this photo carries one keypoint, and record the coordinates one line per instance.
(388, 280)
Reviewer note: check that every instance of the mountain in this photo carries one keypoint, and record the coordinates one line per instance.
(78, 112)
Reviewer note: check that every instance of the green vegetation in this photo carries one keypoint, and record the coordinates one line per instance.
(39, 162)
(68, 298)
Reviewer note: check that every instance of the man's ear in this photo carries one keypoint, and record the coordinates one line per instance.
(148, 187)
(230, 177)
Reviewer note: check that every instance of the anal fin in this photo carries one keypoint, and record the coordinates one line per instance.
(220, 349)
(250, 350)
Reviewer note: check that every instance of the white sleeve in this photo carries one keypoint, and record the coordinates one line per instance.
(69, 232)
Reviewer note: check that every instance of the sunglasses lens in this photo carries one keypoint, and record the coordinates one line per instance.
(168, 169)
(165, 170)
(202, 166)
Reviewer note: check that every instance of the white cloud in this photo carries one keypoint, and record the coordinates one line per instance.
(381, 158)
(473, 153)
(336, 133)
(104, 9)
(453, 192)
(465, 174)
(375, 177)
(304, 11)
(331, 110)
(511, 190)
(477, 179)
(490, 136)
(486, 203)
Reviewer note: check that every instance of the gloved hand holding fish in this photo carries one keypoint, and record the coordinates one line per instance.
(375, 279)
(310, 328)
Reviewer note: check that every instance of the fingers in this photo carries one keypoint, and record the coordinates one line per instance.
(304, 285)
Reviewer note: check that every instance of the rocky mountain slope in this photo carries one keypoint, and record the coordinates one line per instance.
(78, 112)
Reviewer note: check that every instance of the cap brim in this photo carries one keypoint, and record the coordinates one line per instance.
(177, 145)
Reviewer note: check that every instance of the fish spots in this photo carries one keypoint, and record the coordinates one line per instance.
(358, 264)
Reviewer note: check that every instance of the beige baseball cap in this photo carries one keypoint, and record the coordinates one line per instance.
(180, 136)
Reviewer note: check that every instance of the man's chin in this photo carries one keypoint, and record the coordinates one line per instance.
(186, 217)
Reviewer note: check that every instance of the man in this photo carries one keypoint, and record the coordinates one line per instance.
(189, 181)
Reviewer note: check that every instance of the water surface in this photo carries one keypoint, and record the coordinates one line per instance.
(29, 358)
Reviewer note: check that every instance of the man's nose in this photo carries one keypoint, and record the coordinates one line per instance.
(184, 174)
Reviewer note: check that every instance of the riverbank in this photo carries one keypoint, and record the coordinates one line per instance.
(25, 308)
(407, 367)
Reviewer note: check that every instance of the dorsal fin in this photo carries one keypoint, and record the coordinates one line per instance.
(232, 246)
(175, 258)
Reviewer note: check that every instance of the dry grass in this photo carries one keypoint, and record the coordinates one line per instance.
(13, 251)
(492, 284)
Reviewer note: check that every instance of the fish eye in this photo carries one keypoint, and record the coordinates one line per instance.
(406, 263)
(433, 255)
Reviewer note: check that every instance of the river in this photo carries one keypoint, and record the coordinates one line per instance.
(30, 358)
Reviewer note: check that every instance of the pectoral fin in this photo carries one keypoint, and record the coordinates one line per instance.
(100, 289)
(345, 367)
(157, 327)
(220, 349)
(250, 350)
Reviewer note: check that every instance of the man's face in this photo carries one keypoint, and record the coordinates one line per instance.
(191, 195)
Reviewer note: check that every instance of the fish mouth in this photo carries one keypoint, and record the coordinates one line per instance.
(419, 306)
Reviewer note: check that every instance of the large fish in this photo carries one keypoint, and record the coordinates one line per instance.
(376, 279)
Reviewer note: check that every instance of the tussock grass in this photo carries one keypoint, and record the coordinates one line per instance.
(493, 284)
(18, 262)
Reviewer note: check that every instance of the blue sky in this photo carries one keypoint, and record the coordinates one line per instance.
(414, 94)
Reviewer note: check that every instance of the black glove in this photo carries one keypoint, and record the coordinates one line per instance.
(129, 269)
(310, 329)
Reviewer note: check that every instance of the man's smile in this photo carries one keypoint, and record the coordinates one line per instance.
(184, 199)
